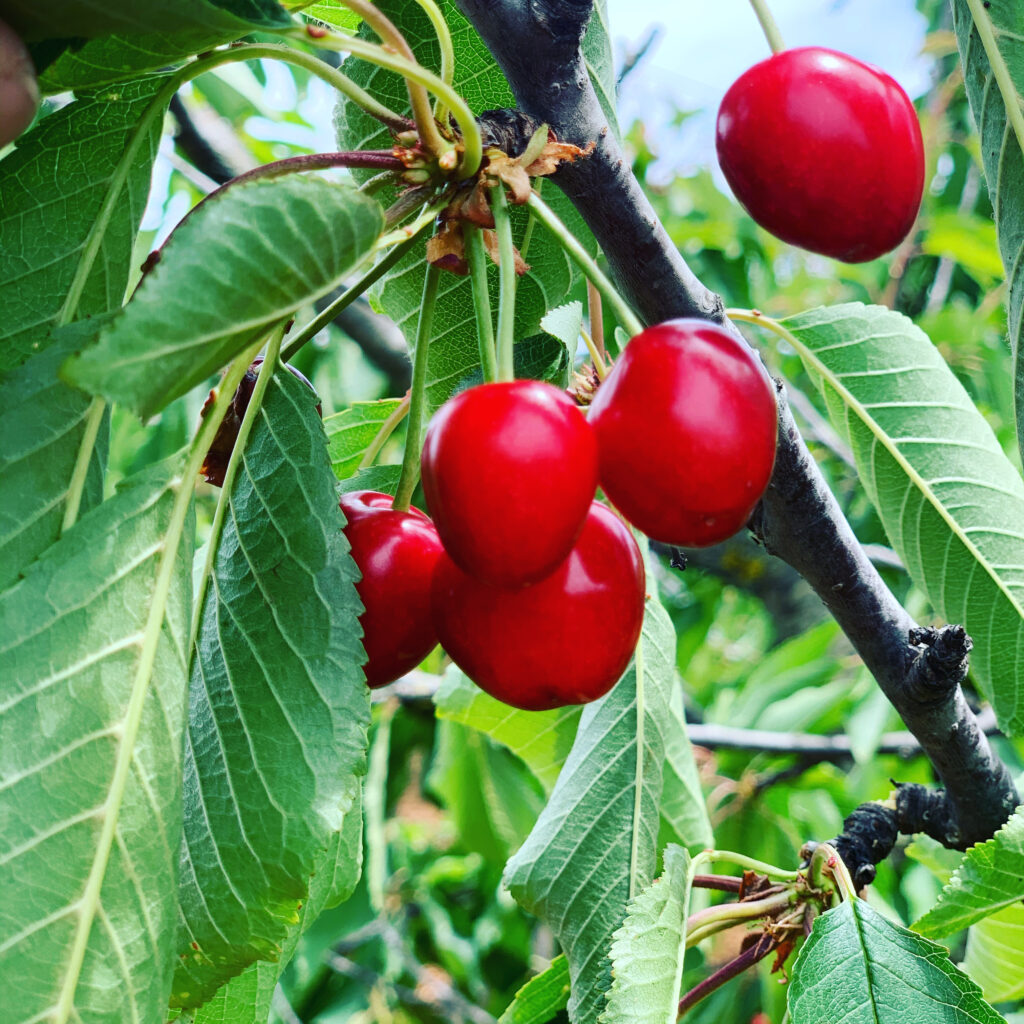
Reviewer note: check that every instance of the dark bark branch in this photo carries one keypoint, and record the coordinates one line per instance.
(196, 147)
(536, 44)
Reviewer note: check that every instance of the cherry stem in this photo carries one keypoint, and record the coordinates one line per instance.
(748, 864)
(477, 260)
(539, 209)
(266, 371)
(728, 914)
(506, 283)
(596, 317)
(472, 142)
(768, 25)
(755, 952)
(387, 428)
(444, 42)
(374, 274)
(374, 159)
(417, 393)
(722, 883)
(600, 368)
(419, 98)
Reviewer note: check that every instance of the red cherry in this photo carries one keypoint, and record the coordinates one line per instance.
(824, 152)
(509, 471)
(686, 424)
(566, 639)
(397, 553)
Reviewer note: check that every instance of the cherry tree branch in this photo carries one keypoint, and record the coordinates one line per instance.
(537, 45)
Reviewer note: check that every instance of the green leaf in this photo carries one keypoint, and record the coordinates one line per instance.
(859, 968)
(42, 422)
(683, 811)
(245, 261)
(542, 739)
(990, 37)
(990, 877)
(541, 997)
(247, 998)
(454, 352)
(647, 951)
(374, 478)
(565, 323)
(63, 19)
(278, 708)
(951, 502)
(334, 13)
(492, 797)
(595, 844)
(995, 955)
(51, 206)
(90, 762)
(352, 431)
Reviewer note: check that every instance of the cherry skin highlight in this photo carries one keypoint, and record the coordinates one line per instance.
(824, 151)
(565, 640)
(509, 471)
(686, 424)
(397, 553)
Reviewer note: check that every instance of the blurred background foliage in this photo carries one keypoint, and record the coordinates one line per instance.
(430, 934)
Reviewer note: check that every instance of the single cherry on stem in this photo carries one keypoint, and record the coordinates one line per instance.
(824, 151)
(564, 640)
(396, 552)
(509, 471)
(686, 425)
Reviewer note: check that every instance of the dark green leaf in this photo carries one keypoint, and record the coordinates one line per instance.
(597, 52)
(42, 421)
(62, 19)
(374, 478)
(244, 262)
(990, 37)
(951, 502)
(859, 968)
(594, 846)
(91, 740)
(990, 878)
(279, 710)
(351, 432)
(49, 209)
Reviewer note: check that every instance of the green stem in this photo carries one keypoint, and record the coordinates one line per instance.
(155, 109)
(417, 393)
(387, 428)
(237, 453)
(477, 259)
(749, 864)
(424, 220)
(89, 902)
(630, 321)
(600, 367)
(716, 919)
(506, 284)
(444, 41)
(374, 274)
(471, 139)
(419, 99)
(93, 419)
(768, 25)
(826, 861)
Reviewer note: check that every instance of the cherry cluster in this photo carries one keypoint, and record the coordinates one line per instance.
(533, 588)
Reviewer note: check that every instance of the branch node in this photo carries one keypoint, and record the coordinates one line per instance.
(869, 833)
(940, 664)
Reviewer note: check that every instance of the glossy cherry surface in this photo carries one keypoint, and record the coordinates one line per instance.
(397, 553)
(509, 471)
(564, 640)
(686, 424)
(824, 152)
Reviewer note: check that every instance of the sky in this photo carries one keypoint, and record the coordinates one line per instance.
(704, 46)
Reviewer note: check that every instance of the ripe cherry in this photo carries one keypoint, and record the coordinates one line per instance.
(824, 152)
(566, 639)
(217, 458)
(686, 423)
(397, 553)
(509, 471)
